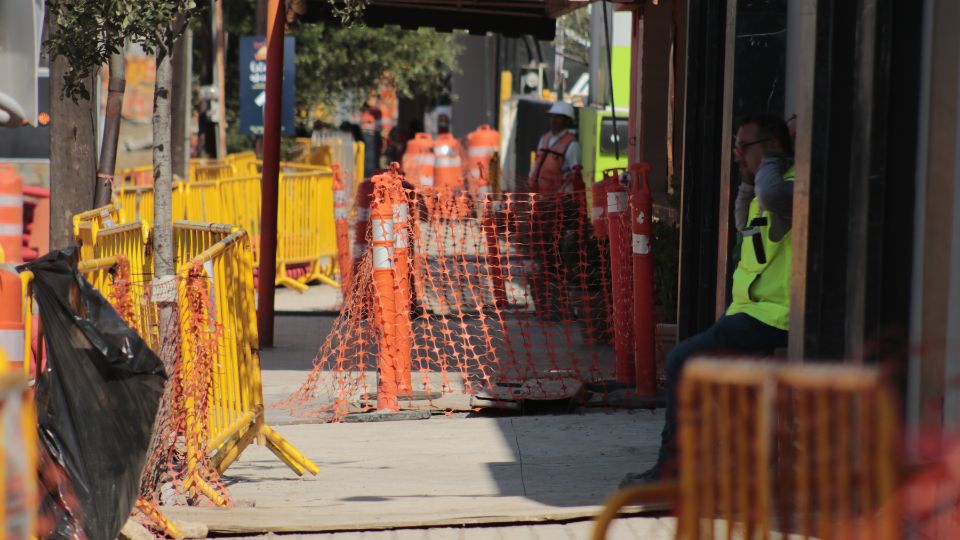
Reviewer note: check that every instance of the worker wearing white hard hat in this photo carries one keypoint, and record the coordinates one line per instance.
(557, 153)
(552, 177)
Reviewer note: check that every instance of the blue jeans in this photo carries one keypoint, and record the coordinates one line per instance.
(731, 334)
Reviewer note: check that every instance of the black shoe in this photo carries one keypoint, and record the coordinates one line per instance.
(650, 476)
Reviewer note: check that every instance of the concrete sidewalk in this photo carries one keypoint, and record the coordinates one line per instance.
(419, 478)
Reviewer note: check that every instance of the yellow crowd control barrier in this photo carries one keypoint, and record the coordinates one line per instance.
(236, 403)
(135, 176)
(18, 455)
(243, 163)
(202, 172)
(306, 230)
(306, 237)
(118, 262)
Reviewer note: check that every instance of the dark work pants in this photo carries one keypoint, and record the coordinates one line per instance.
(731, 334)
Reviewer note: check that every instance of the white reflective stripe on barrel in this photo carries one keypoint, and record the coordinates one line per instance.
(8, 229)
(340, 196)
(339, 213)
(616, 201)
(12, 201)
(12, 343)
(448, 162)
(424, 159)
(426, 180)
(383, 235)
(481, 151)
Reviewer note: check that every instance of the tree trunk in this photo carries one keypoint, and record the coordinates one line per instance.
(111, 132)
(182, 95)
(164, 267)
(73, 156)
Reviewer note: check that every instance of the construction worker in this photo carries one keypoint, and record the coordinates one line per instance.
(557, 153)
(757, 319)
(551, 177)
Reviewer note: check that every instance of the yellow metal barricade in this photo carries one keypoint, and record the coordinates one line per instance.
(18, 455)
(236, 402)
(243, 163)
(358, 158)
(135, 204)
(306, 237)
(212, 171)
(240, 200)
(135, 176)
(201, 202)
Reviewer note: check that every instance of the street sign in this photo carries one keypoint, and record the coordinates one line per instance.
(253, 84)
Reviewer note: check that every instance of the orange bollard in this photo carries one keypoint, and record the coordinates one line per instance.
(618, 219)
(382, 240)
(488, 224)
(11, 318)
(11, 215)
(401, 269)
(344, 258)
(644, 329)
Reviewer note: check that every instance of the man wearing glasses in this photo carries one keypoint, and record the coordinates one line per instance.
(757, 319)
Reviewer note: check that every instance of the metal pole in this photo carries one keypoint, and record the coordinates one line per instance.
(271, 172)
(613, 104)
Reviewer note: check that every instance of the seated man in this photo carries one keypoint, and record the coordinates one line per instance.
(757, 319)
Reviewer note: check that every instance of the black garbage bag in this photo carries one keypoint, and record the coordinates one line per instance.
(96, 399)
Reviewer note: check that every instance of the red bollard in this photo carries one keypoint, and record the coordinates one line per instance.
(382, 240)
(618, 219)
(344, 258)
(644, 330)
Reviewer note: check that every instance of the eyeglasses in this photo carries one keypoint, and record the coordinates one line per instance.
(741, 147)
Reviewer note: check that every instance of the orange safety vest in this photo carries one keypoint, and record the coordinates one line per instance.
(548, 177)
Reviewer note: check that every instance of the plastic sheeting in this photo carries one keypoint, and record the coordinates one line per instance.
(96, 398)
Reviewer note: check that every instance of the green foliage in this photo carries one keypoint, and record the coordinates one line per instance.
(87, 32)
(336, 63)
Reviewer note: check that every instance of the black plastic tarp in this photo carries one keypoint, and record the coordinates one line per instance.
(96, 399)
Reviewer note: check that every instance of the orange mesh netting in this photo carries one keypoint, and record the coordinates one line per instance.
(509, 297)
(178, 468)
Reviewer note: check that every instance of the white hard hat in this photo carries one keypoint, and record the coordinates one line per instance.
(563, 109)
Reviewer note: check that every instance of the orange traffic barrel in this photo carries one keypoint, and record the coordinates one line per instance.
(448, 168)
(482, 144)
(418, 160)
(11, 214)
(11, 317)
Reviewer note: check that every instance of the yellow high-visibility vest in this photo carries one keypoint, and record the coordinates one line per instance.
(761, 282)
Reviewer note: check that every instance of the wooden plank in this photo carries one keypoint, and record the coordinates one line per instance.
(726, 182)
(316, 520)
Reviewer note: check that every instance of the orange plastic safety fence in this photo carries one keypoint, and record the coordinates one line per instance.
(510, 297)
(178, 469)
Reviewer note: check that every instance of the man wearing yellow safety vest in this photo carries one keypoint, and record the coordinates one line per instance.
(757, 319)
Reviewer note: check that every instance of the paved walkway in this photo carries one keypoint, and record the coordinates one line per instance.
(460, 476)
